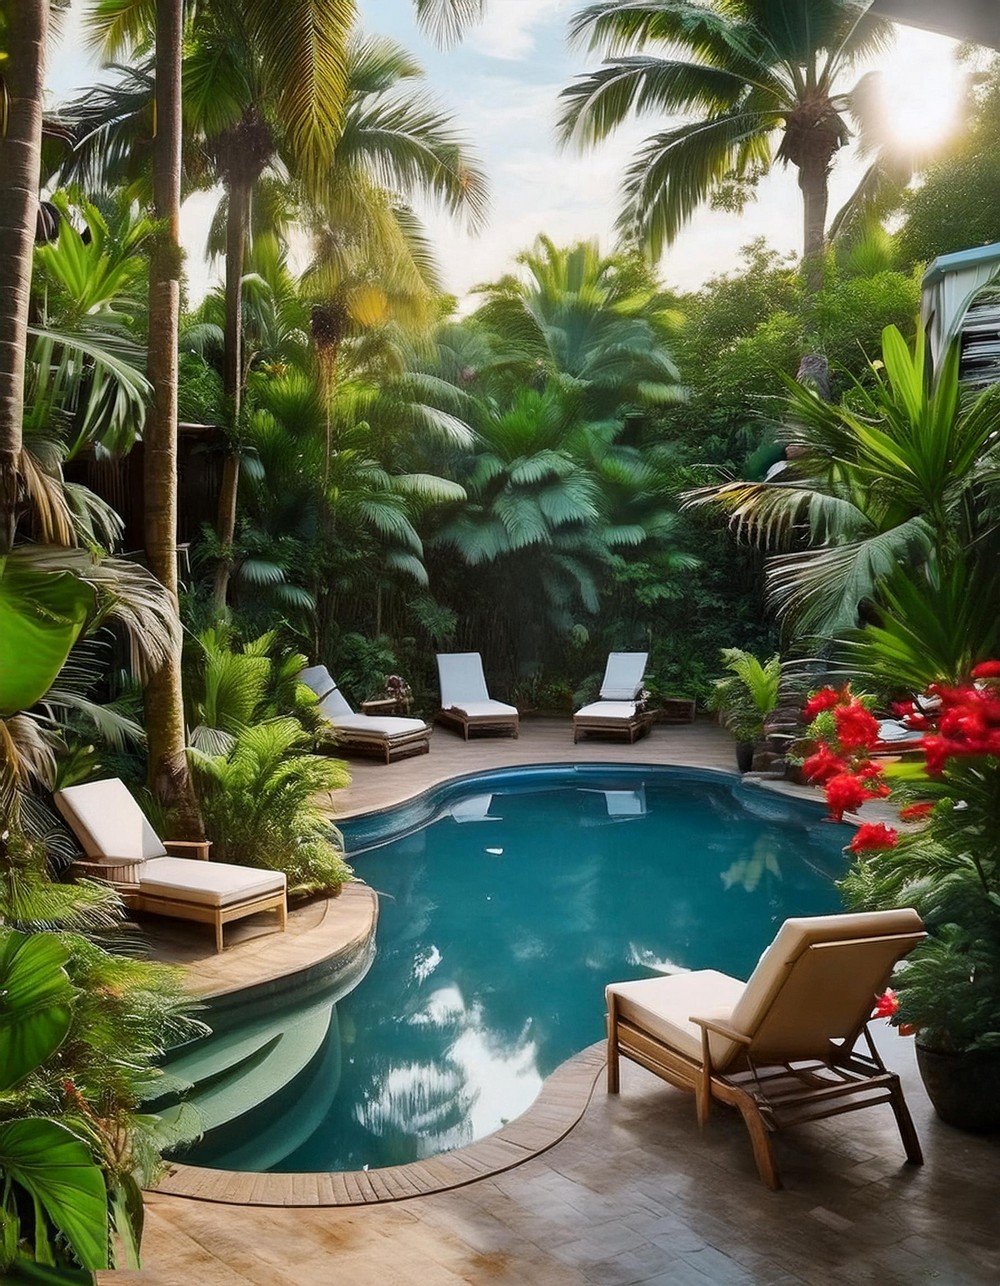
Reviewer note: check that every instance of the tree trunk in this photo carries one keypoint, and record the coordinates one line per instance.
(169, 775)
(232, 380)
(20, 164)
(813, 183)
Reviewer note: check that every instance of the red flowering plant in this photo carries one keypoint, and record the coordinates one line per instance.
(945, 860)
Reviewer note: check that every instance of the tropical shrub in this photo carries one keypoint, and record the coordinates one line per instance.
(747, 695)
(258, 802)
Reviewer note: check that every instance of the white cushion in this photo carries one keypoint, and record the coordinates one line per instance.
(335, 706)
(665, 1006)
(624, 710)
(482, 709)
(893, 730)
(108, 822)
(623, 676)
(206, 883)
(462, 679)
(379, 726)
(318, 678)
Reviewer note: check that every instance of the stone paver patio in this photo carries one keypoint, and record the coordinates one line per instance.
(634, 1193)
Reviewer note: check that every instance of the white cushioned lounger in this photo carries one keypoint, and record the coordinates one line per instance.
(122, 848)
(389, 736)
(617, 712)
(465, 700)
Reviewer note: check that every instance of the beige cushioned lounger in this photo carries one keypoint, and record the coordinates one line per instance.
(465, 701)
(123, 849)
(781, 1048)
(388, 736)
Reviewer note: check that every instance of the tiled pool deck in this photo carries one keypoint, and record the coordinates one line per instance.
(632, 1193)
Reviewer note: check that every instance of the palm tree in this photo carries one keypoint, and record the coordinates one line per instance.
(756, 80)
(600, 320)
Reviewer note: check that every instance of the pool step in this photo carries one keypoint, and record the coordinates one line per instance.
(232, 1074)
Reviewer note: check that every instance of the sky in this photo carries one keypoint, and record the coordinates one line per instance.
(502, 85)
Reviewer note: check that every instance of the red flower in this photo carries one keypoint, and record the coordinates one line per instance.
(873, 835)
(823, 765)
(886, 1004)
(845, 793)
(987, 670)
(822, 700)
(916, 812)
(857, 729)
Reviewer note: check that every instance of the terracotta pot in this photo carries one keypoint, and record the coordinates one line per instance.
(963, 1088)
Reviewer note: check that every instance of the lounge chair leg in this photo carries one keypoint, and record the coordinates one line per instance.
(614, 1083)
(760, 1141)
(218, 934)
(914, 1153)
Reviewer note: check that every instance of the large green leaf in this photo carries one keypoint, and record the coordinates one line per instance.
(35, 1002)
(54, 1166)
(41, 617)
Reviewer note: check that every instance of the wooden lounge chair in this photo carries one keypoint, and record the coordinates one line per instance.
(465, 702)
(617, 713)
(123, 849)
(386, 736)
(781, 1048)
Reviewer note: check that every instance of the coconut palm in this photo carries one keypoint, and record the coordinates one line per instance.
(756, 81)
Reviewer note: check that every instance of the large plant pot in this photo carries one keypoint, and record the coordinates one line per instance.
(744, 755)
(963, 1088)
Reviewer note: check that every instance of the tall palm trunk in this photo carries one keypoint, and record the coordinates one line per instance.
(20, 163)
(815, 188)
(169, 776)
(232, 378)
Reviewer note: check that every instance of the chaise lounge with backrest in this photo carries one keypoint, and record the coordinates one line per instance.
(387, 736)
(122, 848)
(782, 1048)
(465, 701)
(618, 711)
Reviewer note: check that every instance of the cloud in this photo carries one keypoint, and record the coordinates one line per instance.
(508, 30)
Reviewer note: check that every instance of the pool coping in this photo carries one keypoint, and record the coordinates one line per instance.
(560, 1104)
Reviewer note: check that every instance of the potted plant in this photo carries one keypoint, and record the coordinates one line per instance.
(744, 698)
(946, 864)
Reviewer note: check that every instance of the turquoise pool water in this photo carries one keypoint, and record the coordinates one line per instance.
(507, 903)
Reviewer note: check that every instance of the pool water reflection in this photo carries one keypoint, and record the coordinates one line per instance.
(501, 922)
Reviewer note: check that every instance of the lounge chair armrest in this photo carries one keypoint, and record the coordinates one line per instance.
(720, 1029)
(197, 848)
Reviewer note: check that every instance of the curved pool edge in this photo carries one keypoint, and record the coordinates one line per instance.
(560, 1105)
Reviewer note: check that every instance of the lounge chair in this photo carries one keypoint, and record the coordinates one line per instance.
(123, 849)
(384, 735)
(780, 1047)
(465, 702)
(617, 712)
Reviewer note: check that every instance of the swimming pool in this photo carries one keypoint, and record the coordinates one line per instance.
(507, 902)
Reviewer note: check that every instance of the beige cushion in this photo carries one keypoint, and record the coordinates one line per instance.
(795, 936)
(109, 824)
(206, 883)
(665, 1006)
(617, 710)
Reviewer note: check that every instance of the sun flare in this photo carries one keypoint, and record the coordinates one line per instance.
(923, 89)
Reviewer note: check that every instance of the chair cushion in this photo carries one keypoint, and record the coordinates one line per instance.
(623, 676)
(206, 883)
(623, 710)
(317, 677)
(794, 937)
(665, 1006)
(461, 678)
(379, 727)
(108, 822)
(483, 709)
